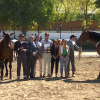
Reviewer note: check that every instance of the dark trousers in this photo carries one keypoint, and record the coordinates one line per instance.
(21, 59)
(56, 61)
(71, 59)
(30, 66)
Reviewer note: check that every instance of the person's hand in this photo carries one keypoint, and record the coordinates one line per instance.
(54, 57)
(38, 57)
(34, 54)
(80, 49)
(45, 49)
(64, 59)
(21, 48)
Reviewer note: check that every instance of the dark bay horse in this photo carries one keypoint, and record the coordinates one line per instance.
(94, 38)
(6, 54)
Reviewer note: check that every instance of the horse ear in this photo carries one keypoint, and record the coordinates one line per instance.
(4, 33)
(11, 33)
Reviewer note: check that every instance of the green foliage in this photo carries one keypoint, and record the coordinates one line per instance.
(97, 2)
(26, 12)
(88, 45)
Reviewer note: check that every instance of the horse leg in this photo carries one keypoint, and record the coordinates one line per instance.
(10, 66)
(6, 61)
(2, 68)
(99, 73)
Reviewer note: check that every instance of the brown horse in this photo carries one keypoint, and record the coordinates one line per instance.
(94, 38)
(6, 53)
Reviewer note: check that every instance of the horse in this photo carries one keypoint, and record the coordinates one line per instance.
(6, 54)
(94, 37)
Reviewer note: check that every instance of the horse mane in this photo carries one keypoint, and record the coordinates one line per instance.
(94, 35)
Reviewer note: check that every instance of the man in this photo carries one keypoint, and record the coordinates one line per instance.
(20, 46)
(47, 43)
(71, 43)
(39, 57)
(31, 57)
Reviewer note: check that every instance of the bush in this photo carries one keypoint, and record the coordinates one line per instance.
(88, 45)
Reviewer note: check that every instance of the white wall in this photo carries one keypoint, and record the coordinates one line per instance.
(52, 35)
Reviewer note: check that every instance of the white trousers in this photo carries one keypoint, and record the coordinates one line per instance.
(47, 60)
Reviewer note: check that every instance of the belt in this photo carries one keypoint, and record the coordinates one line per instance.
(64, 55)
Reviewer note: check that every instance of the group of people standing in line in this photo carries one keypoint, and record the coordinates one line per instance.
(45, 52)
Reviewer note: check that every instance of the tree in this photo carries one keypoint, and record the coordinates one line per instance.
(25, 13)
(87, 7)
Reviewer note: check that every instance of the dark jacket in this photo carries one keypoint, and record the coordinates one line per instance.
(18, 45)
(54, 51)
(30, 50)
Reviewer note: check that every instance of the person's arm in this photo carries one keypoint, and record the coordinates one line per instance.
(15, 47)
(77, 47)
(52, 54)
(68, 53)
(60, 53)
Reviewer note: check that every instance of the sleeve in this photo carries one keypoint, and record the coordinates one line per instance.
(77, 47)
(41, 50)
(15, 47)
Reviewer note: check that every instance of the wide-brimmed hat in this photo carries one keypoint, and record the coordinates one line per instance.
(21, 35)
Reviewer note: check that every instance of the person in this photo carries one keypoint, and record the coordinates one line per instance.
(35, 37)
(39, 57)
(64, 57)
(71, 43)
(32, 53)
(54, 57)
(47, 43)
(20, 47)
(40, 38)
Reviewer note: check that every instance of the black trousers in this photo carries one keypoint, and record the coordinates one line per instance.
(30, 66)
(56, 61)
(71, 59)
(21, 59)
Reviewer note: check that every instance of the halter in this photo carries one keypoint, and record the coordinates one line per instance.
(97, 44)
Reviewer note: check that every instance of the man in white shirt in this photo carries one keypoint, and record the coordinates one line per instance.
(47, 43)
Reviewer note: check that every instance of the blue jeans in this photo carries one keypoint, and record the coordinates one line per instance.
(61, 65)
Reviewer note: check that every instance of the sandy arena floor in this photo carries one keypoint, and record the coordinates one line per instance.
(84, 86)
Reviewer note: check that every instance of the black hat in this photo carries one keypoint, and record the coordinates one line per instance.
(21, 35)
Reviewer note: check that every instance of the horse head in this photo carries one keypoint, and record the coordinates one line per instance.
(7, 37)
(83, 37)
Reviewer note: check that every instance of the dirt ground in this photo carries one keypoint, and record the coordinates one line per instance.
(84, 86)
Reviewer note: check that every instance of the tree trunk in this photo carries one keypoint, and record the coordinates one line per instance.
(86, 18)
(23, 29)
